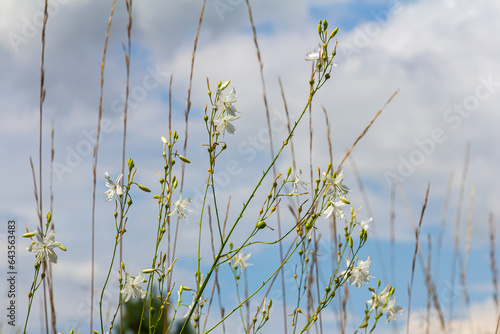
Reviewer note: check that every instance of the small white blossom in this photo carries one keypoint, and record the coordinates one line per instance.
(114, 187)
(228, 101)
(180, 207)
(297, 181)
(358, 275)
(44, 247)
(241, 261)
(391, 310)
(318, 56)
(131, 286)
(223, 123)
(335, 185)
(364, 224)
(226, 112)
(334, 208)
(378, 300)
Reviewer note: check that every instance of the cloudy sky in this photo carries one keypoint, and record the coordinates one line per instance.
(440, 55)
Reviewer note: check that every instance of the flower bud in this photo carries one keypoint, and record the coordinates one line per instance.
(225, 84)
(334, 32)
(49, 217)
(343, 199)
(309, 224)
(148, 271)
(143, 188)
(29, 235)
(184, 159)
(164, 140)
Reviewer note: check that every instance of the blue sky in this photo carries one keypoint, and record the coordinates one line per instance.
(439, 54)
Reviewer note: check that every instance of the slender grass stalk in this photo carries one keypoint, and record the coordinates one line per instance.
(457, 255)
(94, 165)
(417, 237)
(365, 130)
(271, 146)
(493, 261)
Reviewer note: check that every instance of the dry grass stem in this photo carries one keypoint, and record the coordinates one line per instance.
(365, 130)
(417, 237)
(94, 163)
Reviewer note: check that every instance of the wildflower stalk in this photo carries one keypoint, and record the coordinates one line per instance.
(201, 287)
(124, 202)
(31, 295)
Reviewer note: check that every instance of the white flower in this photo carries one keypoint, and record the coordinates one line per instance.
(190, 307)
(378, 300)
(226, 113)
(44, 247)
(392, 310)
(228, 102)
(318, 55)
(364, 224)
(180, 207)
(336, 186)
(241, 261)
(114, 187)
(358, 275)
(223, 120)
(131, 286)
(295, 182)
(334, 207)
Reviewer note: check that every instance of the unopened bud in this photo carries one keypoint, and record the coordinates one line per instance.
(143, 188)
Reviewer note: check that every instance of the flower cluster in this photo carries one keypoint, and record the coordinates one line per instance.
(335, 190)
(359, 274)
(225, 111)
(383, 303)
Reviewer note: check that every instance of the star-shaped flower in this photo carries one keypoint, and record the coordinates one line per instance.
(334, 208)
(241, 261)
(392, 310)
(45, 247)
(180, 207)
(297, 181)
(223, 123)
(335, 185)
(318, 55)
(131, 287)
(378, 300)
(364, 224)
(227, 101)
(358, 275)
(114, 187)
